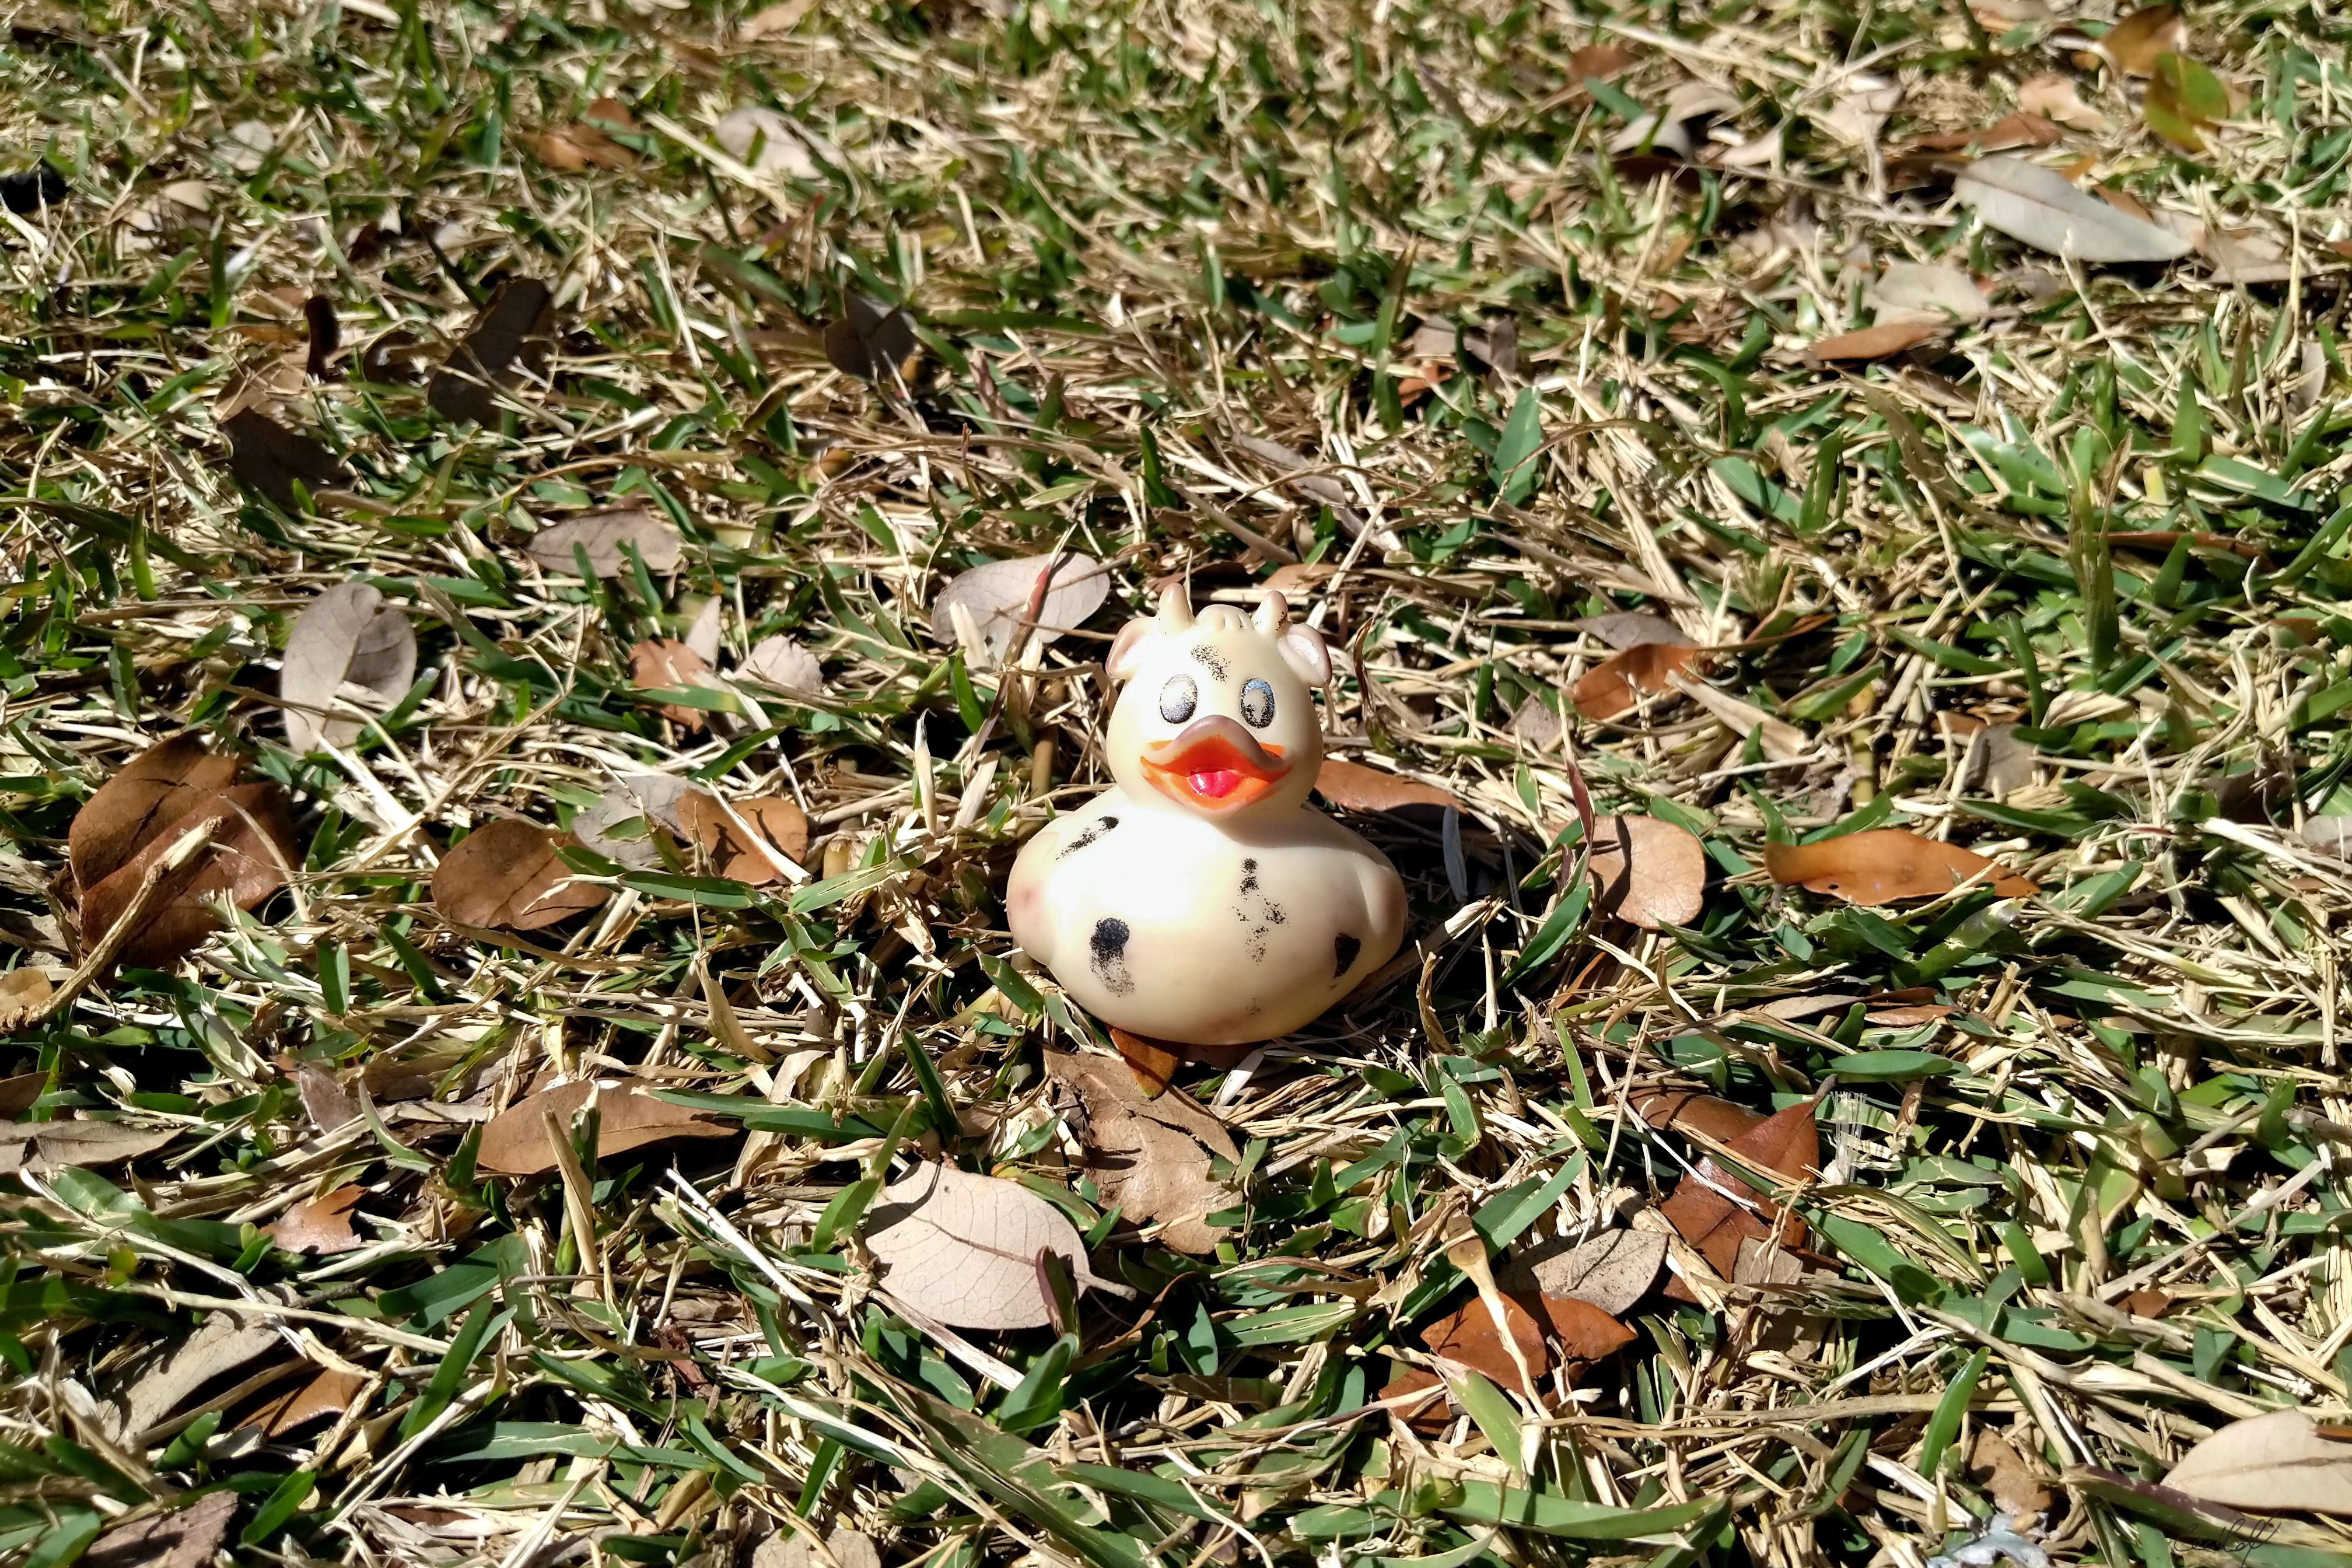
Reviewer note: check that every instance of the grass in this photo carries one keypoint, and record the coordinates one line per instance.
(1136, 239)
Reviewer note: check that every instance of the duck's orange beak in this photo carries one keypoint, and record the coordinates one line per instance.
(1214, 764)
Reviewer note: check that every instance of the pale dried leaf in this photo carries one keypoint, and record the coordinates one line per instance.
(999, 594)
(756, 840)
(846, 1548)
(2055, 97)
(1921, 289)
(619, 827)
(2277, 1463)
(25, 992)
(320, 1225)
(1611, 1271)
(963, 1248)
(45, 1146)
(1860, 111)
(775, 21)
(1151, 1153)
(1647, 872)
(702, 636)
(348, 649)
(2037, 205)
(780, 662)
(185, 1538)
(220, 1345)
(1632, 628)
(606, 536)
(765, 140)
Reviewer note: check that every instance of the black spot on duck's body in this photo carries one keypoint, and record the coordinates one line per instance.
(1344, 948)
(1091, 834)
(1108, 953)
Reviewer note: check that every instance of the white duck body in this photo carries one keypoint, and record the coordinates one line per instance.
(1201, 901)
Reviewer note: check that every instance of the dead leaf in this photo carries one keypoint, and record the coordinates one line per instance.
(1469, 1338)
(1621, 681)
(1352, 786)
(1920, 289)
(2029, 203)
(844, 1548)
(1995, 1465)
(271, 459)
(20, 1091)
(514, 1141)
(1647, 872)
(1152, 1154)
(1611, 1271)
(995, 600)
(702, 634)
(505, 876)
(1859, 112)
(1585, 1332)
(1632, 629)
(25, 994)
(2146, 1303)
(467, 387)
(1688, 1111)
(154, 789)
(1884, 864)
(963, 1248)
(253, 850)
(666, 664)
(774, 22)
(1431, 1415)
(766, 141)
(1599, 61)
(619, 827)
(396, 358)
(220, 1345)
(606, 536)
(872, 342)
(2055, 97)
(780, 662)
(349, 649)
(763, 841)
(329, 1394)
(2024, 129)
(2133, 45)
(2277, 1463)
(185, 1538)
(570, 148)
(1714, 1210)
(1916, 1012)
(321, 1224)
(323, 1099)
(1153, 1062)
(1998, 762)
(42, 1147)
(1880, 342)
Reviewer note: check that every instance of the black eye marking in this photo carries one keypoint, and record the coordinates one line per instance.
(1092, 834)
(1108, 956)
(1212, 661)
(1257, 704)
(1177, 699)
(1344, 948)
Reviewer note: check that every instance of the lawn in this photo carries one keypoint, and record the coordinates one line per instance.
(552, 558)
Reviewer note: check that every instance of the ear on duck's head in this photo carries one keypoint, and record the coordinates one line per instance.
(1174, 619)
(1302, 646)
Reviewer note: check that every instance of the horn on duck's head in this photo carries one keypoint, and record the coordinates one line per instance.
(1274, 615)
(1175, 609)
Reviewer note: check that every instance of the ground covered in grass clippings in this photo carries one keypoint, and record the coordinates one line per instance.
(1502, 339)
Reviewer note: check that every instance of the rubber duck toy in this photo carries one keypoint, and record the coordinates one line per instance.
(1201, 901)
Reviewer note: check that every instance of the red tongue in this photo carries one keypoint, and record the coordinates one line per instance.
(1215, 782)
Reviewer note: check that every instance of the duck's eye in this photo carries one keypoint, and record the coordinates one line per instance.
(1178, 698)
(1257, 704)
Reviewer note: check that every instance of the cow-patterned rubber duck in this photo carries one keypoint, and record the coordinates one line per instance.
(1201, 901)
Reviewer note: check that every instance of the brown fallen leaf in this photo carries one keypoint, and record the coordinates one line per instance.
(2146, 1303)
(18, 1092)
(1355, 787)
(154, 789)
(505, 875)
(41, 1147)
(1154, 1062)
(1714, 1210)
(1599, 60)
(1884, 864)
(253, 851)
(1915, 1013)
(184, 1538)
(320, 1225)
(514, 1141)
(666, 664)
(1431, 1414)
(329, 1394)
(271, 459)
(466, 387)
(843, 1548)
(1149, 1154)
(347, 644)
(2055, 97)
(763, 839)
(324, 1100)
(1469, 1338)
(1583, 1331)
(1647, 872)
(583, 144)
(2133, 45)
(25, 994)
(2277, 1463)
(1880, 342)
(1621, 681)
(1995, 1465)
(2024, 129)
(1688, 1111)
(221, 1346)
